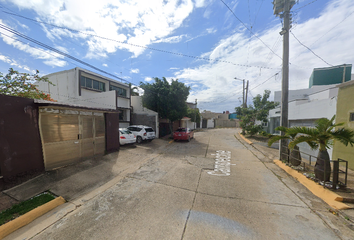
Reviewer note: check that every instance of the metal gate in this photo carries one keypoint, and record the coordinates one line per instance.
(70, 135)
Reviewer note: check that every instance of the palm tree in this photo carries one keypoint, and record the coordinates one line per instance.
(321, 136)
(295, 156)
(134, 91)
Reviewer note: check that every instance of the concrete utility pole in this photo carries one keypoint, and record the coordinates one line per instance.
(284, 6)
(243, 91)
(246, 93)
(195, 114)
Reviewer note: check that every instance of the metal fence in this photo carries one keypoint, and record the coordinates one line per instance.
(339, 168)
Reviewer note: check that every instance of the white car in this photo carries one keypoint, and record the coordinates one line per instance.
(126, 136)
(142, 133)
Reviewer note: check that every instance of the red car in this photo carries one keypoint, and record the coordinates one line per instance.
(183, 134)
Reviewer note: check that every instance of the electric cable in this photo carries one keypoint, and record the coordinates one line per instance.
(310, 49)
(250, 30)
(140, 46)
(305, 5)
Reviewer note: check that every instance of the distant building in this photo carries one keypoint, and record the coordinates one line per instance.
(330, 75)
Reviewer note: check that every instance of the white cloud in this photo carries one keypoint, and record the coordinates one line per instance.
(15, 64)
(105, 65)
(136, 22)
(218, 90)
(136, 70)
(51, 59)
(174, 39)
(148, 79)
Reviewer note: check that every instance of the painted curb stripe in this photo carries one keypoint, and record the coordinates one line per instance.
(26, 218)
(245, 139)
(331, 198)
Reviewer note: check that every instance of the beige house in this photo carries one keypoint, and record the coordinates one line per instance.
(345, 114)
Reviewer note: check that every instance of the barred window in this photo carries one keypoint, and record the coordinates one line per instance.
(351, 117)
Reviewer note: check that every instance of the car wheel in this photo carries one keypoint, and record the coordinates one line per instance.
(139, 139)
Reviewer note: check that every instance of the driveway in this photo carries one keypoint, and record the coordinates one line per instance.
(214, 187)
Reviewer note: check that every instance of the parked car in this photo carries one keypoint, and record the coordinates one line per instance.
(142, 133)
(126, 136)
(183, 134)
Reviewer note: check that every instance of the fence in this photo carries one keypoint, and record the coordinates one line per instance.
(337, 168)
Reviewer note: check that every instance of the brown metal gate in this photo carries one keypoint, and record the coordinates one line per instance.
(70, 135)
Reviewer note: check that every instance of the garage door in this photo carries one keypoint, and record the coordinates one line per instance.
(68, 136)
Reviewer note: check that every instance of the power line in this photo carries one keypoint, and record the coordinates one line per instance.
(57, 51)
(136, 45)
(266, 80)
(310, 49)
(250, 30)
(305, 5)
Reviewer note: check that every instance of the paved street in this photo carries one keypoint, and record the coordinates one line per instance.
(213, 187)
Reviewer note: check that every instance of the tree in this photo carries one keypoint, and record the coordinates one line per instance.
(134, 91)
(295, 156)
(258, 111)
(193, 114)
(322, 136)
(23, 85)
(169, 100)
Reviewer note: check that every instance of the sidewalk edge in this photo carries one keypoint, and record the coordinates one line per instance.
(331, 198)
(245, 139)
(30, 216)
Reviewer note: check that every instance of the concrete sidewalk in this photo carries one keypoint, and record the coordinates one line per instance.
(73, 181)
(347, 194)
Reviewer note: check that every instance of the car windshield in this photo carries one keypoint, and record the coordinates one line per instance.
(149, 129)
(181, 130)
(125, 131)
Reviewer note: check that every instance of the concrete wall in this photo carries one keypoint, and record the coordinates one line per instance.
(226, 123)
(147, 120)
(345, 106)
(66, 85)
(20, 142)
(137, 105)
(123, 102)
(112, 132)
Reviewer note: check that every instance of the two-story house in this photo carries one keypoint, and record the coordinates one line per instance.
(85, 88)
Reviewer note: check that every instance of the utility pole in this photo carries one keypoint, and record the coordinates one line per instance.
(284, 6)
(243, 91)
(246, 94)
(195, 114)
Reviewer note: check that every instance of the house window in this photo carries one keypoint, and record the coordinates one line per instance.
(351, 117)
(121, 116)
(264, 124)
(93, 84)
(120, 91)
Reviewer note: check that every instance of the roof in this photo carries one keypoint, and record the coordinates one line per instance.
(41, 102)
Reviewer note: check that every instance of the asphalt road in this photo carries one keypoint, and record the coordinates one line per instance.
(213, 187)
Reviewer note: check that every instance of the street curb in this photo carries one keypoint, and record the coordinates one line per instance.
(25, 219)
(245, 139)
(331, 198)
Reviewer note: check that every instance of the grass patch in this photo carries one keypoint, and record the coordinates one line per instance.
(24, 207)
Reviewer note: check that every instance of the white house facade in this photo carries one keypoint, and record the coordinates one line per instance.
(85, 88)
(305, 107)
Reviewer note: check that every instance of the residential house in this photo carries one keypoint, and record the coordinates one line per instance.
(39, 135)
(345, 114)
(82, 87)
(308, 105)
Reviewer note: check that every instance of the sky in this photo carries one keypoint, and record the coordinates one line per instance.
(210, 45)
